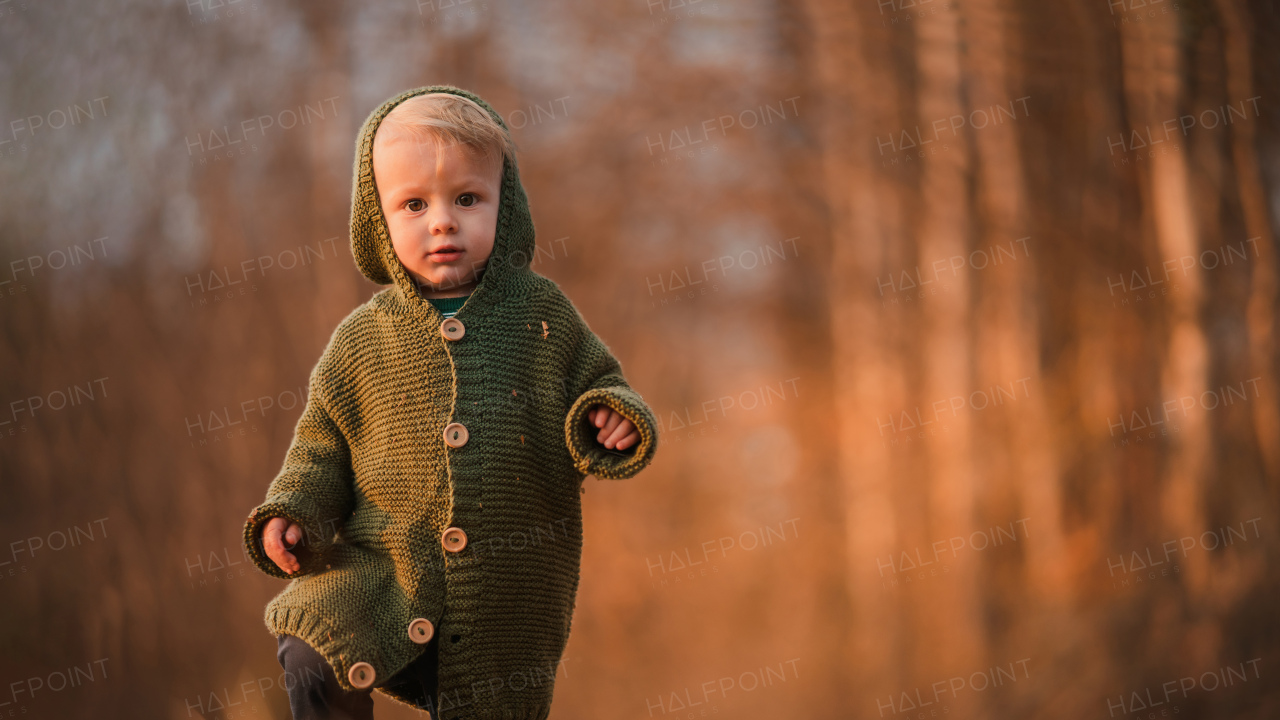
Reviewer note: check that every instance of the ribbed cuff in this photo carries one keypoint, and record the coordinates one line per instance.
(317, 533)
(592, 458)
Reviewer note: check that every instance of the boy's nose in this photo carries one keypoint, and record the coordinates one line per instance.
(443, 222)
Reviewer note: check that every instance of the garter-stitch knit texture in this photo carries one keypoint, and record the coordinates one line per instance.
(372, 482)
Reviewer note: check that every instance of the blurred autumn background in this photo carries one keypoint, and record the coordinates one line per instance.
(960, 318)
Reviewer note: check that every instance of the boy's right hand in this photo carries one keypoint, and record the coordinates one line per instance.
(278, 536)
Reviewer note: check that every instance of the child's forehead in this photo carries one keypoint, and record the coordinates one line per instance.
(399, 142)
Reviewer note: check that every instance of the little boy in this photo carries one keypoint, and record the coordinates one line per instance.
(428, 509)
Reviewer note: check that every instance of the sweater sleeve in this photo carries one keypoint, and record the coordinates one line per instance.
(313, 489)
(595, 377)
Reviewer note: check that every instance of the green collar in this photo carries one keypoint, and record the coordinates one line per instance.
(449, 305)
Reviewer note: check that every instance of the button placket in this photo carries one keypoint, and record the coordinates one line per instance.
(456, 435)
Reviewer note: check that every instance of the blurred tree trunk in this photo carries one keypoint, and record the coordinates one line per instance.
(1047, 319)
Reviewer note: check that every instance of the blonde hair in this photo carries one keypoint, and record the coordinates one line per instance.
(447, 119)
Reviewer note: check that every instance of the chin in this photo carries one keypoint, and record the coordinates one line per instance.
(446, 284)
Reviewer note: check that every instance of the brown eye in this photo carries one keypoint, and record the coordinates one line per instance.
(414, 205)
(466, 200)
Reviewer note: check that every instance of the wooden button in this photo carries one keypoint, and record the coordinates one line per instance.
(454, 539)
(452, 329)
(421, 630)
(361, 675)
(455, 435)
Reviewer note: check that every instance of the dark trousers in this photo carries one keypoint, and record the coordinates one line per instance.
(314, 692)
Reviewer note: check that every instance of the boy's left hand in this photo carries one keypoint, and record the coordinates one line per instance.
(616, 432)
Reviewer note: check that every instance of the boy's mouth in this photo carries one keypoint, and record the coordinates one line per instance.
(445, 253)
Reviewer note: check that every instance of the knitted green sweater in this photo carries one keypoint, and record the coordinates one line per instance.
(375, 483)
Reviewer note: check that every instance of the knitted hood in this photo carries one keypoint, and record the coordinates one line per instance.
(513, 245)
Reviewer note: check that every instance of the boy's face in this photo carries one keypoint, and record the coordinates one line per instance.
(441, 208)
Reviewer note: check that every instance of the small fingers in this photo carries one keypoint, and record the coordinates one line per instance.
(610, 425)
(273, 536)
(632, 438)
(616, 431)
(621, 429)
